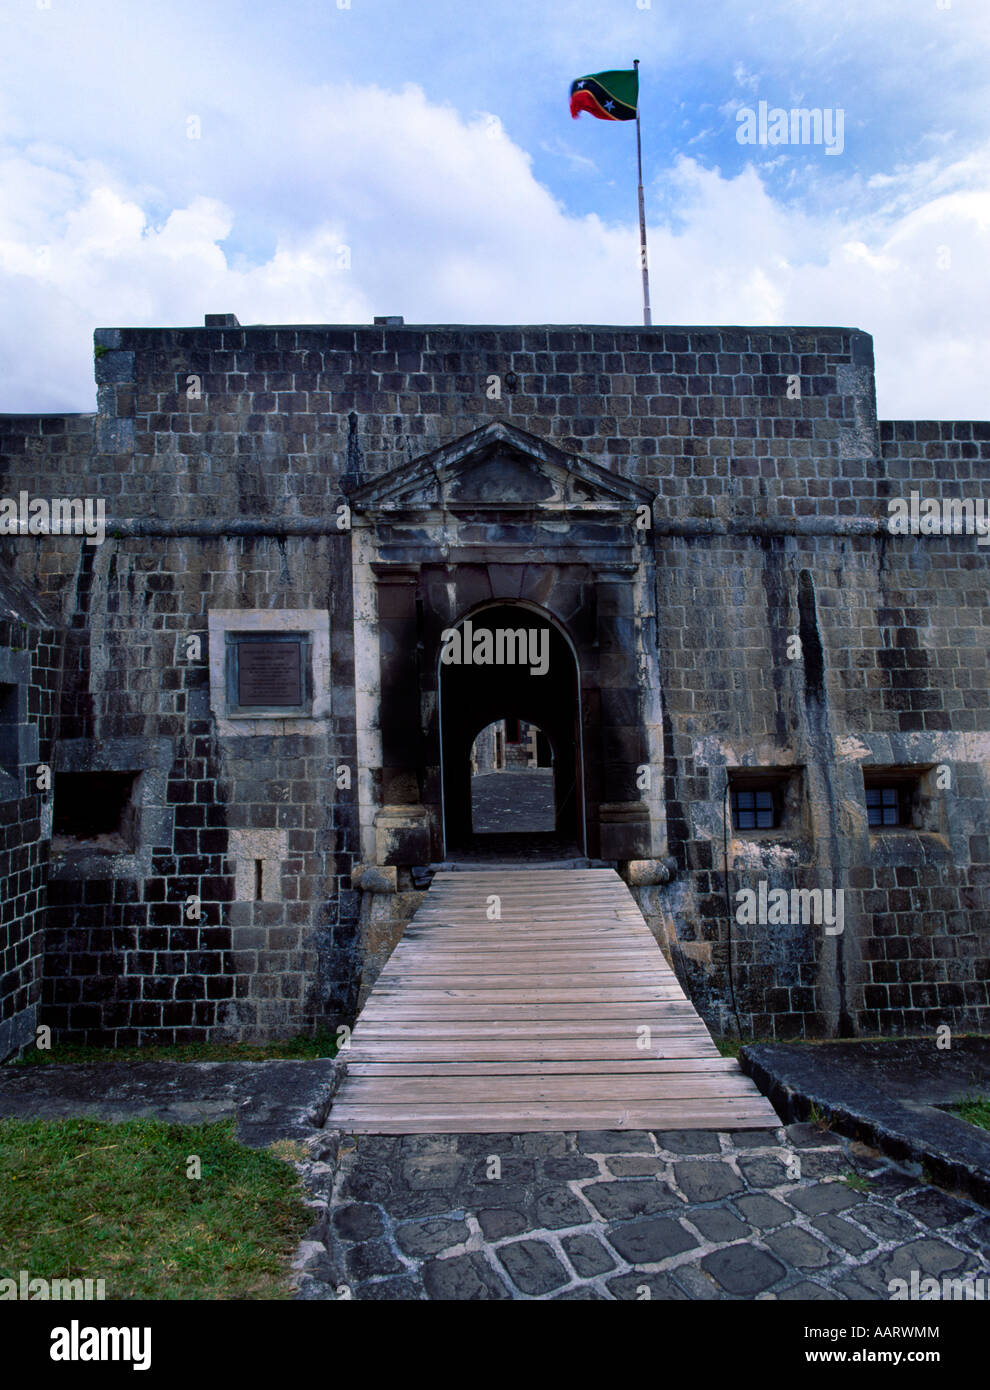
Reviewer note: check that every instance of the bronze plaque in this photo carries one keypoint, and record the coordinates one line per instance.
(269, 674)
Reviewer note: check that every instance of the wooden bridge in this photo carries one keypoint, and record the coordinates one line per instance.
(559, 1013)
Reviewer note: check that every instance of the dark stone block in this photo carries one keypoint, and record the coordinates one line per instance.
(626, 1198)
(650, 1241)
(532, 1266)
(743, 1270)
(587, 1254)
(464, 1278)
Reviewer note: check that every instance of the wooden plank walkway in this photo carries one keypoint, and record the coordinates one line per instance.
(535, 1021)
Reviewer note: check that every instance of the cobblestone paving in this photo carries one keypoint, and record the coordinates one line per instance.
(513, 800)
(630, 1215)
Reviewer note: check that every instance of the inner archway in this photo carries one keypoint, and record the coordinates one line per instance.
(512, 780)
(505, 669)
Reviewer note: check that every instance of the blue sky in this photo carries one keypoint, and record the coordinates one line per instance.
(419, 158)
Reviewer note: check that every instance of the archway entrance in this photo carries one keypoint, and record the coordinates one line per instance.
(508, 682)
(512, 780)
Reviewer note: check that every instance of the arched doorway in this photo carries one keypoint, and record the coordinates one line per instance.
(512, 780)
(508, 665)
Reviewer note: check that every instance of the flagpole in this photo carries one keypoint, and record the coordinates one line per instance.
(647, 316)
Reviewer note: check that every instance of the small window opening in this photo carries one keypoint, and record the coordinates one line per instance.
(753, 810)
(95, 811)
(259, 870)
(9, 757)
(766, 799)
(895, 799)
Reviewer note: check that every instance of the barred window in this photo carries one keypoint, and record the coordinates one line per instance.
(890, 799)
(754, 810)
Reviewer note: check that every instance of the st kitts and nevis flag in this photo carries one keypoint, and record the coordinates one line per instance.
(611, 96)
(614, 96)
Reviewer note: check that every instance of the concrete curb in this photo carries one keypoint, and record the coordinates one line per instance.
(955, 1154)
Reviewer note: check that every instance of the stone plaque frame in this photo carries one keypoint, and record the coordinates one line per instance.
(228, 626)
(242, 674)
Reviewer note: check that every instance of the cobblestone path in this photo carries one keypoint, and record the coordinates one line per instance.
(795, 1214)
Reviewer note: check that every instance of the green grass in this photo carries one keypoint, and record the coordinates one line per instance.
(856, 1181)
(324, 1044)
(731, 1047)
(976, 1111)
(91, 1199)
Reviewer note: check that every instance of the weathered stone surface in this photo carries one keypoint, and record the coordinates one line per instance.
(633, 1165)
(588, 1256)
(762, 1246)
(797, 1247)
(650, 1241)
(543, 1145)
(555, 1207)
(639, 1287)
(400, 1290)
(894, 1092)
(424, 1145)
(753, 1138)
(927, 1255)
(269, 1100)
(614, 1141)
(845, 1234)
(762, 1211)
(718, 1224)
(885, 1222)
(688, 1141)
(371, 1182)
(743, 1270)
(774, 504)
(765, 1171)
(532, 1266)
(807, 1136)
(466, 1278)
(371, 1258)
(831, 1164)
(431, 1172)
(498, 1222)
(569, 1166)
(807, 1292)
(630, 1197)
(707, 1180)
(833, 1196)
(375, 878)
(358, 1221)
(935, 1209)
(515, 1169)
(419, 1238)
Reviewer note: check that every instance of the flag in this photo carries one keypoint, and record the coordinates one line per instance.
(611, 96)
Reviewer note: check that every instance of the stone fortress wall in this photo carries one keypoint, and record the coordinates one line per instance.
(344, 481)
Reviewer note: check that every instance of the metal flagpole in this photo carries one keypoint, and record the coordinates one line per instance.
(647, 317)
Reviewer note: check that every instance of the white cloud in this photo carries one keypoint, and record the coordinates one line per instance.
(444, 221)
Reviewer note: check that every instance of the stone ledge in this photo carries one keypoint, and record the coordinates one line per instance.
(885, 1094)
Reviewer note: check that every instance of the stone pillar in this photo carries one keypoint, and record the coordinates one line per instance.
(624, 818)
(400, 696)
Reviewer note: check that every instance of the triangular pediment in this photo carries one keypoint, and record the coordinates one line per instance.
(501, 467)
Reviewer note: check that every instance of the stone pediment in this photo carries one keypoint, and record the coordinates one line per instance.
(503, 468)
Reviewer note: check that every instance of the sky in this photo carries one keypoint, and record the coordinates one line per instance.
(326, 161)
